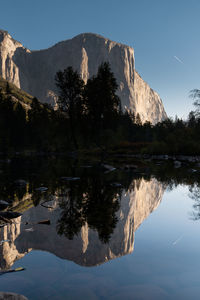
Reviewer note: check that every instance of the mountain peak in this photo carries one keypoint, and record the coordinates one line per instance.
(91, 35)
(34, 71)
(5, 34)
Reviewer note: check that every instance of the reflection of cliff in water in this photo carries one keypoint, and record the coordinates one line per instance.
(85, 248)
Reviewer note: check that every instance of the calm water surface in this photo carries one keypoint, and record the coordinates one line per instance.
(112, 235)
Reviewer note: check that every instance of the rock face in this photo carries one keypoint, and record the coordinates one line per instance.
(9, 70)
(85, 249)
(34, 71)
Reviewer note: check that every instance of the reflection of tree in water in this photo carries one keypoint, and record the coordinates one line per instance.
(72, 215)
(102, 205)
(195, 195)
(92, 200)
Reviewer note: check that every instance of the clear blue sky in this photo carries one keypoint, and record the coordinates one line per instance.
(158, 30)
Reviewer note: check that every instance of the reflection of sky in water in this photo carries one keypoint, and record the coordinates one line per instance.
(164, 265)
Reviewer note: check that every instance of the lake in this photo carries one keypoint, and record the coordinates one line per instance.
(86, 232)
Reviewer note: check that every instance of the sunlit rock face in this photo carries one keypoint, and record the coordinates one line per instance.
(34, 71)
(146, 101)
(85, 249)
(9, 70)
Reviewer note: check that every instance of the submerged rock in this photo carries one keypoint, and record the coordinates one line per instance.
(10, 214)
(3, 204)
(116, 184)
(29, 229)
(11, 296)
(108, 168)
(177, 164)
(41, 189)
(193, 170)
(70, 178)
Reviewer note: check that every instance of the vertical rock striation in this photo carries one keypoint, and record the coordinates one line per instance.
(34, 71)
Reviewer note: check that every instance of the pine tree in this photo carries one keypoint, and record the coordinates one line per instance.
(101, 101)
(70, 88)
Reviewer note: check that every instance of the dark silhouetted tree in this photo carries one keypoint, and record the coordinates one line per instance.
(102, 103)
(195, 95)
(70, 88)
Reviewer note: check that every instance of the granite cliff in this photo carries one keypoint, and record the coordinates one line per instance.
(34, 71)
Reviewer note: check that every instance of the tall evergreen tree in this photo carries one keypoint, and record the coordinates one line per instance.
(70, 88)
(101, 101)
(101, 98)
(195, 95)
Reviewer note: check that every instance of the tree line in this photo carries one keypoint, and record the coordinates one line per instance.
(90, 116)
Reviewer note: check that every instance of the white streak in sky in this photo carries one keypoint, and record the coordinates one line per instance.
(176, 241)
(178, 59)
